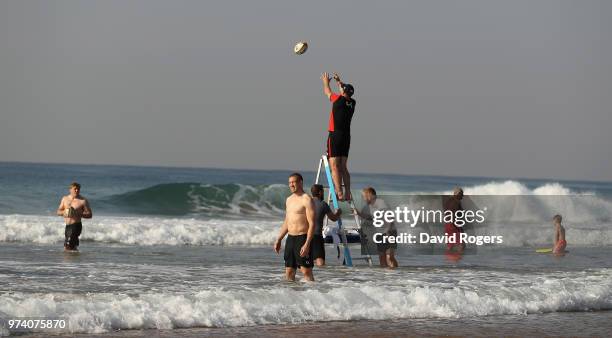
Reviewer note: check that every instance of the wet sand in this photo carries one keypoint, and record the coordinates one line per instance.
(568, 324)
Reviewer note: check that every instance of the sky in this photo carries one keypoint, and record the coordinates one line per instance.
(460, 88)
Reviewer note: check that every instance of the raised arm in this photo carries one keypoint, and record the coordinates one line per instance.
(326, 89)
(338, 81)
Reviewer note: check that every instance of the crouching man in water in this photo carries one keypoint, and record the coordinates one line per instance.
(73, 207)
(299, 225)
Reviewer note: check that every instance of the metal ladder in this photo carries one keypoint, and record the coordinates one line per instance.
(324, 164)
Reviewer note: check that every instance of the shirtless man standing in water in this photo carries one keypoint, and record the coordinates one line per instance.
(299, 225)
(73, 207)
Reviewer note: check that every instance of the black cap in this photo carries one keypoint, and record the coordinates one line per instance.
(348, 89)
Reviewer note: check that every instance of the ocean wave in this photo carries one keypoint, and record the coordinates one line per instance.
(97, 313)
(232, 216)
(240, 200)
(512, 203)
(177, 199)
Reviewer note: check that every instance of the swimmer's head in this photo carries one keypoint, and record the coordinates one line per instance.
(369, 195)
(75, 188)
(296, 182)
(317, 191)
(557, 219)
(458, 192)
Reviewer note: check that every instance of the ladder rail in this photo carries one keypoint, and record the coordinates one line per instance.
(319, 171)
(347, 253)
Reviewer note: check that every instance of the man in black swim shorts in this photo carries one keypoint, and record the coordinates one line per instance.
(339, 138)
(299, 226)
(73, 207)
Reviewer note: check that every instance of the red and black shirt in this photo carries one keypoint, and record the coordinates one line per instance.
(341, 113)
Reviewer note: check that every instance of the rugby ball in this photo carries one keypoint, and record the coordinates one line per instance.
(69, 212)
(300, 47)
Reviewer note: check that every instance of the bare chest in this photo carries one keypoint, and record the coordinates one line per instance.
(295, 208)
(76, 203)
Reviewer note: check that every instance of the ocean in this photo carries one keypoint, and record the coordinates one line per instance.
(188, 252)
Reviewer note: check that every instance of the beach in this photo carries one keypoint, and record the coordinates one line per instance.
(542, 325)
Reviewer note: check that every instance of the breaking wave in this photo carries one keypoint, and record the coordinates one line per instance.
(176, 199)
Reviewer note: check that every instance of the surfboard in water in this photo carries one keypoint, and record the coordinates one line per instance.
(348, 261)
(548, 250)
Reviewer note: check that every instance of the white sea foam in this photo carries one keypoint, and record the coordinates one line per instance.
(511, 200)
(141, 230)
(523, 216)
(508, 187)
(179, 231)
(516, 188)
(96, 313)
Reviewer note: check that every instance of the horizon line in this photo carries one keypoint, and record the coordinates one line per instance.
(309, 171)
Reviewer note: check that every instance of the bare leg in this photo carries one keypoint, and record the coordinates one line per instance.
(456, 249)
(382, 259)
(319, 262)
(307, 272)
(391, 261)
(346, 178)
(336, 169)
(559, 248)
(290, 274)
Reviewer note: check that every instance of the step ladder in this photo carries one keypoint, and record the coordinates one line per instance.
(347, 259)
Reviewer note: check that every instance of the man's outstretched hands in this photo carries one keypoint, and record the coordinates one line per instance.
(325, 77)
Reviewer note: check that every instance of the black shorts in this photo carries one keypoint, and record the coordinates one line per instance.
(293, 245)
(71, 234)
(383, 247)
(317, 247)
(338, 144)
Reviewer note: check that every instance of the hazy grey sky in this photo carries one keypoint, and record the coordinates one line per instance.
(477, 88)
